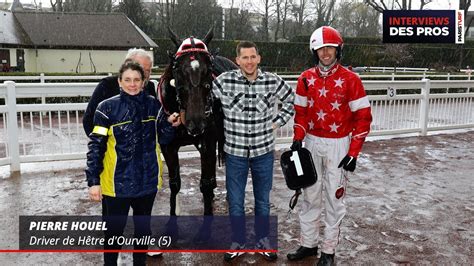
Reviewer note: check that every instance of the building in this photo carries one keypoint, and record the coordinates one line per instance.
(15, 5)
(33, 41)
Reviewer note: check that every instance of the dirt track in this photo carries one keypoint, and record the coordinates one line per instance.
(409, 202)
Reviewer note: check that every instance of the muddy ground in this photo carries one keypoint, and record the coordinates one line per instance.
(409, 202)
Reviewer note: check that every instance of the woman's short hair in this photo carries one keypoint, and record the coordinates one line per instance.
(132, 65)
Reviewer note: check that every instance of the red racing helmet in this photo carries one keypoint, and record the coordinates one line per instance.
(326, 36)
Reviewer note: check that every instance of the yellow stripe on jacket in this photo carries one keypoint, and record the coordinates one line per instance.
(100, 130)
(107, 177)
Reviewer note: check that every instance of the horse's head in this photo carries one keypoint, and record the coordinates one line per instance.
(192, 73)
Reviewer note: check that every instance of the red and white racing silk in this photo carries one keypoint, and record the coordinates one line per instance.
(332, 104)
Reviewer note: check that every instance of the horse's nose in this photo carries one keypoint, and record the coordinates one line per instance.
(193, 129)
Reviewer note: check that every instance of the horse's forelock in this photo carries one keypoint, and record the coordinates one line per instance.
(195, 64)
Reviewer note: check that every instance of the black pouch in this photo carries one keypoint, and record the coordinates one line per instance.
(299, 171)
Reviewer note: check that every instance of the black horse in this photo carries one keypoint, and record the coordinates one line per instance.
(185, 88)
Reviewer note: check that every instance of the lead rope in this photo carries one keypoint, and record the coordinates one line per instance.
(293, 201)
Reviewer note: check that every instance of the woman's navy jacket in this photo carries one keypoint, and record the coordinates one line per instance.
(124, 152)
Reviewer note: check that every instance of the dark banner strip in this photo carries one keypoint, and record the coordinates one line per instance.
(156, 232)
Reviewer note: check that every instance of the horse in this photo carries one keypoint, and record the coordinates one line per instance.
(186, 88)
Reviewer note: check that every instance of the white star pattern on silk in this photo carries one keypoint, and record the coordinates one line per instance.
(339, 82)
(311, 124)
(321, 115)
(335, 105)
(311, 81)
(334, 127)
(322, 92)
(311, 102)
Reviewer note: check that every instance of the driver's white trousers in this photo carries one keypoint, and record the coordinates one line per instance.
(327, 153)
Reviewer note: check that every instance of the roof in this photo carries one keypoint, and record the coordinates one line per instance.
(73, 30)
(11, 32)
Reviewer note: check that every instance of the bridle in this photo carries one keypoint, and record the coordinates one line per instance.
(191, 50)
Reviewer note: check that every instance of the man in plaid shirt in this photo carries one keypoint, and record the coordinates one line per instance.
(248, 98)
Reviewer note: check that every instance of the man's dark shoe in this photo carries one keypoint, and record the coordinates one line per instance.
(154, 254)
(326, 259)
(264, 244)
(229, 256)
(302, 252)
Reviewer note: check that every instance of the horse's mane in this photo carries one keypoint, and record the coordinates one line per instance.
(168, 73)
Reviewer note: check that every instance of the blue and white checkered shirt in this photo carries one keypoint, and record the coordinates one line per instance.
(249, 110)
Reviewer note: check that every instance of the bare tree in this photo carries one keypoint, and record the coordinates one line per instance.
(71, 6)
(164, 12)
(35, 4)
(195, 17)
(239, 26)
(324, 12)
(264, 8)
(158, 16)
(134, 11)
(231, 13)
(282, 7)
(82, 5)
(278, 14)
(170, 4)
(300, 14)
(381, 5)
(56, 5)
(237, 23)
(465, 5)
(286, 7)
(424, 3)
(354, 18)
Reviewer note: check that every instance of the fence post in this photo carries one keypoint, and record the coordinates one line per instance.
(469, 72)
(424, 106)
(43, 98)
(12, 128)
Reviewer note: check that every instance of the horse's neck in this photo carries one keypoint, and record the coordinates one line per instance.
(168, 96)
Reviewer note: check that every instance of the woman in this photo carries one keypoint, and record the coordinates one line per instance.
(124, 166)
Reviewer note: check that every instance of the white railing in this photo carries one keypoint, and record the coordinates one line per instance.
(44, 132)
(394, 76)
(42, 78)
(399, 69)
(465, 74)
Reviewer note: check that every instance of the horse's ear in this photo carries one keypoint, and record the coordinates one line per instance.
(174, 37)
(209, 36)
(170, 55)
